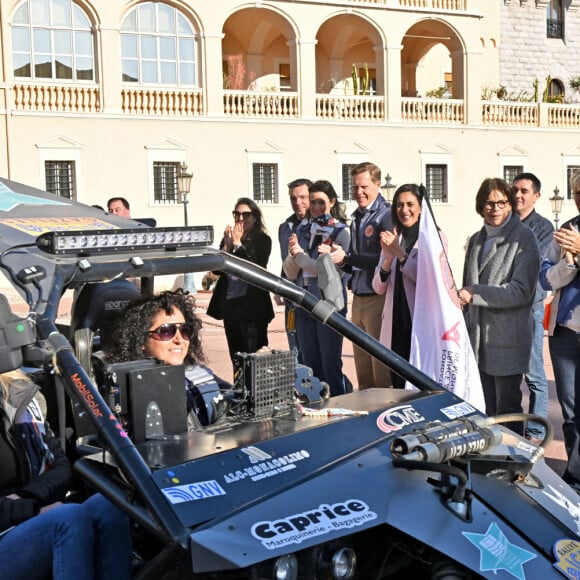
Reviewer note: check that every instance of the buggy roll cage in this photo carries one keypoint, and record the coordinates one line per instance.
(158, 518)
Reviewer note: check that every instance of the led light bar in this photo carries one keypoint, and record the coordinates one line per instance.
(90, 242)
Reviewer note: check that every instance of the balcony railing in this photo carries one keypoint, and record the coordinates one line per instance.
(435, 4)
(149, 101)
(350, 108)
(267, 104)
(274, 105)
(564, 116)
(442, 5)
(56, 98)
(503, 113)
(415, 110)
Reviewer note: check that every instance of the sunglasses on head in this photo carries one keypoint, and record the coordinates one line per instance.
(169, 330)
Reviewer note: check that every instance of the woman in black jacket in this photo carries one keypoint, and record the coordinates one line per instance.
(39, 535)
(245, 309)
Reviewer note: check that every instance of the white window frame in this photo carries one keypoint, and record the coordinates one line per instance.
(348, 158)
(59, 150)
(567, 160)
(442, 157)
(166, 152)
(274, 157)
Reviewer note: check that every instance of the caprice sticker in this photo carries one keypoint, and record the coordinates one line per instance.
(296, 528)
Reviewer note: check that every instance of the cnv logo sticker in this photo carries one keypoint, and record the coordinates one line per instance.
(326, 518)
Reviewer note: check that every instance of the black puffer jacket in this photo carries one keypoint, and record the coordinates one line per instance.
(17, 474)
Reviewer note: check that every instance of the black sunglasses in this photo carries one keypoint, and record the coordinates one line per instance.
(245, 214)
(168, 331)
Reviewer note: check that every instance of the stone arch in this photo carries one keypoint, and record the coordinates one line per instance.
(258, 50)
(345, 39)
(437, 44)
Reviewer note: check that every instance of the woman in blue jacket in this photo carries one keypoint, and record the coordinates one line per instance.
(326, 230)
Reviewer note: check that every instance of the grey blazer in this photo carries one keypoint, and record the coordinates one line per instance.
(499, 317)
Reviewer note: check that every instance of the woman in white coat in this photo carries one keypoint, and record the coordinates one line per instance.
(396, 272)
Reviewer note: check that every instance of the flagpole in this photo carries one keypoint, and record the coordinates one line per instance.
(430, 207)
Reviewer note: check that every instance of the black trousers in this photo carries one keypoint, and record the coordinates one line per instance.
(503, 395)
(244, 335)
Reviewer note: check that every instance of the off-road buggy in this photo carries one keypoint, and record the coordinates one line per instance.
(283, 483)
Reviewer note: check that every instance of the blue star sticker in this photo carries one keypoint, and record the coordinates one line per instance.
(498, 553)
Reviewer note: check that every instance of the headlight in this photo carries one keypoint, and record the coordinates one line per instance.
(285, 568)
(343, 564)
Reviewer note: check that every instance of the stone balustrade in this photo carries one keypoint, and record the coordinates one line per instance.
(286, 105)
(442, 5)
(267, 104)
(416, 110)
(56, 98)
(149, 101)
(350, 108)
(504, 113)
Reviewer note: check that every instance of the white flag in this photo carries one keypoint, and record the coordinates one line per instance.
(440, 345)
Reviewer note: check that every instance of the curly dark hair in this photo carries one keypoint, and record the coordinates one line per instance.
(128, 337)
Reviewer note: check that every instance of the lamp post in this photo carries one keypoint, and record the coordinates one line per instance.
(387, 188)
(183, 188)
(556, 201)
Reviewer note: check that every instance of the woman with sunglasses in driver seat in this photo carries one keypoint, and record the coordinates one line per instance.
(166, 327)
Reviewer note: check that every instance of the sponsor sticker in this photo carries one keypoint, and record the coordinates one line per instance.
(573, 508)
(398, 417)
(36, 226)
(10, 199)
(496, 552)
(193, 491)
(296, 528)
(263, 465)
(459, 410)
(567, 554)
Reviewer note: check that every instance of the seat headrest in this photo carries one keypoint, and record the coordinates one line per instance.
(97, 305)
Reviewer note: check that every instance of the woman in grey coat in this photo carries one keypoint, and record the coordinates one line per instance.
(499, 281)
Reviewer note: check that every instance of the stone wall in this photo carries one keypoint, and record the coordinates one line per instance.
(526, 53)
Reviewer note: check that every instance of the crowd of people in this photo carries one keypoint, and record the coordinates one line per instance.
(375, 252)
(511, 264)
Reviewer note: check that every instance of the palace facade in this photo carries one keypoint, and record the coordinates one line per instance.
(109, 98)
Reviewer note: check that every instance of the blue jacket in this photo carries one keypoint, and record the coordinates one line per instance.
(564, 281)
(543, 230)
(365, 244)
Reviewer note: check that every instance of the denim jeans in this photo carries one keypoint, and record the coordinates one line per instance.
(321, 349)
(536, 376)
(565, 353)
(74, 541)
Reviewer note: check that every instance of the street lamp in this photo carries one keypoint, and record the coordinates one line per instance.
(556, 201)
(387, 188)
(183, 188)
